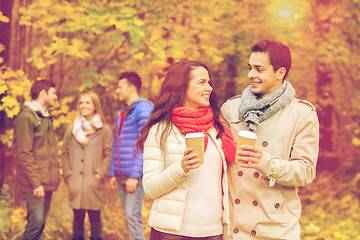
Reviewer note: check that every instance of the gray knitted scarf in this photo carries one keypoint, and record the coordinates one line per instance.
(253, 111)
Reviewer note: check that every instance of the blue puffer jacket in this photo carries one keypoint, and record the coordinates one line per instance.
(125, 160)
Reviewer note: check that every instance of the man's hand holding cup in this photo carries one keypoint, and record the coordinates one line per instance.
(247, 155)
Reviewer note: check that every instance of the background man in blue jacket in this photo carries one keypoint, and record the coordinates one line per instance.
(126, 162)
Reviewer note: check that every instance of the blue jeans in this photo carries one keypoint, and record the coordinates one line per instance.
(37, 212)
(132, 205)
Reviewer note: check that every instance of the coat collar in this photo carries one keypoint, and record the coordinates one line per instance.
(36, 107)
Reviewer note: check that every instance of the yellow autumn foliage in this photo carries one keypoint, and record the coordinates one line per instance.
(85, 44)
(3, 18)
(356, 141)
(10, 105)
(331, 207)
(13, 84)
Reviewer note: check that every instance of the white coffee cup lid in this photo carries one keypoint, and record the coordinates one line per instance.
(195, 135)
(247, 134)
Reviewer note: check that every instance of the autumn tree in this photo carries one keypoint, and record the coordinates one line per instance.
(87, 44)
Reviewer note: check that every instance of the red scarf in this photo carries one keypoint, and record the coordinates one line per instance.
(201, 120)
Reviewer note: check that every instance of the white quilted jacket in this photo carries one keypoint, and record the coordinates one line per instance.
(166, 182)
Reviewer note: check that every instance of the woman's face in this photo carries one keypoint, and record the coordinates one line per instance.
(199, 90)
(86, 106)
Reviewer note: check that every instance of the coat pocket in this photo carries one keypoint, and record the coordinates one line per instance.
(43, 169)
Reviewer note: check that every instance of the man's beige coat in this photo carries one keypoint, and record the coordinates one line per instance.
(264, 203)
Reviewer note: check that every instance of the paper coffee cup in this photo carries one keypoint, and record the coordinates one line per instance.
(196, 142)
(246, 138)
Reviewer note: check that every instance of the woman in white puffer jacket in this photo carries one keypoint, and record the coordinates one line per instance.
(190, 200)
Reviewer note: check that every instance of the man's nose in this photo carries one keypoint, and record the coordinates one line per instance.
(251, 73)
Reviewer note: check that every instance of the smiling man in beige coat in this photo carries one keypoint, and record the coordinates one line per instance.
(264, 203)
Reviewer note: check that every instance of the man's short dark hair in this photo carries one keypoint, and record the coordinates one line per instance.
(279, 54)
(40, 85)
(133, 78)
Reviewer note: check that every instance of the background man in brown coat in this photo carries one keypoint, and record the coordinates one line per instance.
(36, 156)
(264, 203)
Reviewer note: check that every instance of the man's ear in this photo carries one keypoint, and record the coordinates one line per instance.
(281, 73)
(42, 94)
(133, 88)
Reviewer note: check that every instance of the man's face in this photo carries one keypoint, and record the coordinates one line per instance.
(264, 80)
(123, 90)
(50, 97)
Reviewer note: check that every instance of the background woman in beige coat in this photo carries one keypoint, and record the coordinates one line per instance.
(190, 201)
(85, 158)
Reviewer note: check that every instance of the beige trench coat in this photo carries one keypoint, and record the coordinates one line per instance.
(264, 203)
(80, 164)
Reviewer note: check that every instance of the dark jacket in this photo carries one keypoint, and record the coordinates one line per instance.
(126, 160)
(35, 151)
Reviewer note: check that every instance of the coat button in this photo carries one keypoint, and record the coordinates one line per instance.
(264, 143)
(237, 201)
(277, 205)
(240, 173)
(253, 232)
(255, 203)
(236, 230)
(256, 175)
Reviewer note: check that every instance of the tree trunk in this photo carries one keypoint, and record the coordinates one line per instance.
(325, 113)
(5, 28)
(14, 51)
(231, 88)
(5, 36)
(325, 110)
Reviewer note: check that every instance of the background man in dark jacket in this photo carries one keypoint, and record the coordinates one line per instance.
(126, 162)
(36, 156)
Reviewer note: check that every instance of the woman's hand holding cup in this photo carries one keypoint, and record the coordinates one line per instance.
(189, 160)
